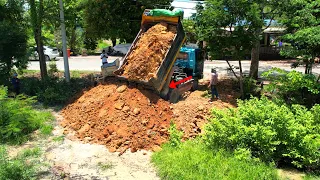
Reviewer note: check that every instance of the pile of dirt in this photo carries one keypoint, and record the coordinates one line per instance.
(149, 52)
(123, 116)
(120, 117)
(193, 111)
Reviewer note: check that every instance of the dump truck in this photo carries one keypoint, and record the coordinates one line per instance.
(181, 67)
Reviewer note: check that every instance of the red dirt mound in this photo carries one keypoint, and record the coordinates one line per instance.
(119, 117)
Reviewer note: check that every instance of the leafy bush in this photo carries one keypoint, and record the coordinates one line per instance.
(271, 132)
(18, 168)
(52, 69)
(293, 87)
(18, 119)
(53, 91)
(193, 160)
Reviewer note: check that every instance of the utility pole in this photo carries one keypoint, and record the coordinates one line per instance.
(64, 43)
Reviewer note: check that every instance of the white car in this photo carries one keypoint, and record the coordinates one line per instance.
(49, 53)
(123, 48)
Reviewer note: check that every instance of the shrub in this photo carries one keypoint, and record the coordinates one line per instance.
(54, 91)
(193, 160)
(293, 87)
(271, 132)
(18, 119)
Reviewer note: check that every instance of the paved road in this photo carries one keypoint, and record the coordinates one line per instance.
(93, 63)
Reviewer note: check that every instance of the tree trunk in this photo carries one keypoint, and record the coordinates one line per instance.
(255, 52)
(231, 68)
(36, 20)
(241, 81)
(42, 60)
(114, 42)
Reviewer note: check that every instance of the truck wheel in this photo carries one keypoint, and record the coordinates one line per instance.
(174, 96)
(195, 84)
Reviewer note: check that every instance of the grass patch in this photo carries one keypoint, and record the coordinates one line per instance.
(105, 166)
(58, 139)
(20, 167)
(193, 160)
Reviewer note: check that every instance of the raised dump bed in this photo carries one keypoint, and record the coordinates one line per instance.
(152, 55)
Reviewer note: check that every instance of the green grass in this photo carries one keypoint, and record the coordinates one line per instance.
(21, 167)
(102, 44)
(192, 160)
(311, 177)
(58, 139)
(105, 166)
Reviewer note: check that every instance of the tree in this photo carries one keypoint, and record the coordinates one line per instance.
(228, 28)
(117, 19)
(37, 14)
(13, 41)
(302, 19)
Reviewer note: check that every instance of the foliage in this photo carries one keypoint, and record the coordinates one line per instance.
(301, 17)
(116, 19)
(13, 38)
(271, 132)
(53, 91)
(20, 167)
(190, 30)
(193, 160)
(52, 69)
(175, 135)
(18, 119)
(293, 87)
(231, 27)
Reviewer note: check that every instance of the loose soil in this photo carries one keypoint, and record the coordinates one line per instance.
(123, 116)
(147, 55)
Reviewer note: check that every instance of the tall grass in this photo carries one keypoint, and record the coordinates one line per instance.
(22, 167)
(193, 160)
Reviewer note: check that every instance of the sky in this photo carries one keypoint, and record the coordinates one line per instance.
(187, 5)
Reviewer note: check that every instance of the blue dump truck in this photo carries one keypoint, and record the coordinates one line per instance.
(182, 66)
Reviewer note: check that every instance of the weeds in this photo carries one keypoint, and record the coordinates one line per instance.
(105, 166)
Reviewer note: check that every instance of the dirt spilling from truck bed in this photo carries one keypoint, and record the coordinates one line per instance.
(149, 52)
(121, 116)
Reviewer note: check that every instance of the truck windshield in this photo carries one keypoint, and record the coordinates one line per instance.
(182, 55)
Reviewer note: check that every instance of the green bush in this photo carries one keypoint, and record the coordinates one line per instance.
(293, 87)
(18, 168)
(271, 132)
(193, 160)
(18, 119)
(54, 91)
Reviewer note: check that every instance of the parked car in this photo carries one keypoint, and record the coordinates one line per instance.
(49, 53)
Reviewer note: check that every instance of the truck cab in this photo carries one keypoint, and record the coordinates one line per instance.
(192, 61)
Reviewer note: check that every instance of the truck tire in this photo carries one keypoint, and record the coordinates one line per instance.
(195, 84)
(174, 96)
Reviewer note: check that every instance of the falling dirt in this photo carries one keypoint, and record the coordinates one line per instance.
(149, 52)
(123, 116)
